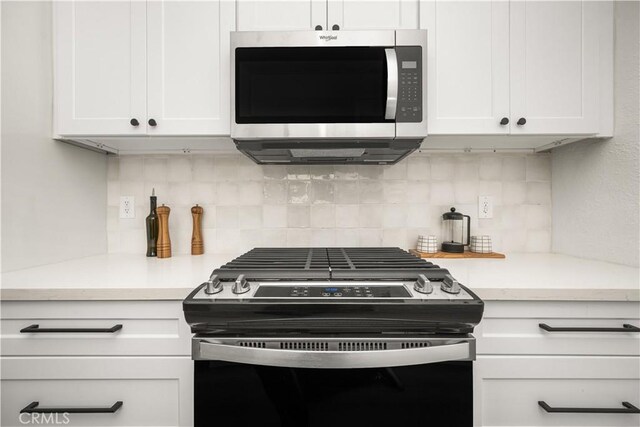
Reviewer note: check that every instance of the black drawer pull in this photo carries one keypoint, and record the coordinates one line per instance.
(628, 409)
(625, 328)
(39, 330)
(34, 408)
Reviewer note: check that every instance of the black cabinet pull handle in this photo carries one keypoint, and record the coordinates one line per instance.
(628, 409)
(34, 408)
(625, 328)
(335, 27)
(134, 122)
(152, 122)
(318, 27)
(521, 121)
(39, 330)
(504, 121)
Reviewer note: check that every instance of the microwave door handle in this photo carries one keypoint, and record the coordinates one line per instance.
(392, 84)
(333, 359)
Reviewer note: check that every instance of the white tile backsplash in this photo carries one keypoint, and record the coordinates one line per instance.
(370, 191)
(274, 216)
(298, 216)
(323, 216)
(347, 216)
(247, 205)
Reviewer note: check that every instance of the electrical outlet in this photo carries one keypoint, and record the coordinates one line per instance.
(485, 207)
(127, 207)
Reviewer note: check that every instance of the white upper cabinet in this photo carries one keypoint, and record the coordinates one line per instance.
(537, 69)
(518, 67)
(142, 68)
(554, 67)
(282, 15)
(372, 15)
(188, 67)
(327, 15)
(100, 67)
(467, 66)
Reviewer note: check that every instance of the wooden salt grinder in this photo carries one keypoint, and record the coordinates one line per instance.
(164, 241)
(197, 245)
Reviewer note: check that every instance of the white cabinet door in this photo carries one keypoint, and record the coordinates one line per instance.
(509, 388)
(154, 391)
(100, 67)
(372, 14)
(188, 67)
(281, 15)
(146, 328)
(468, 66)
(554, 67)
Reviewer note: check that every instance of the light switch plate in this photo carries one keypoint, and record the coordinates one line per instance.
(127, 207)
(485, 207)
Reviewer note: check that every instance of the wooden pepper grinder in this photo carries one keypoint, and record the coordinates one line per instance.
(164, 241)
(197, 245)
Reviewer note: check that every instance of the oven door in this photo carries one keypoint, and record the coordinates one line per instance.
(333, 382)
(314, 84)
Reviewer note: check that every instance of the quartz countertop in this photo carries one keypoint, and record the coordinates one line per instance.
(133, 277)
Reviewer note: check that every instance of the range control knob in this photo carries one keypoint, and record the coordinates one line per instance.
(423, 285)
(450, 285)
(213, 285)
(241, 285)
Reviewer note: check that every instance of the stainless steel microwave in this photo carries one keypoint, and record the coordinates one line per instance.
(328, 96)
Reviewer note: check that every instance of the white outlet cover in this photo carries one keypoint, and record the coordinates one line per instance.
(127, 207)
(485, 207)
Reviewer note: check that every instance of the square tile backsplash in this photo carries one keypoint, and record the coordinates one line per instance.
(247, 205)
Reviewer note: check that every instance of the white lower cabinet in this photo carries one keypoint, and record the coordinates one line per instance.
(512, 386)
(511, 327)
(94, 328)
(74, 355)
(153, 391)
(587, 367)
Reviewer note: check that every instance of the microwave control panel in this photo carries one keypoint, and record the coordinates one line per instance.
(410, 83)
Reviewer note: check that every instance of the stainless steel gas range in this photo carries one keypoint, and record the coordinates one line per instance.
(332, 336)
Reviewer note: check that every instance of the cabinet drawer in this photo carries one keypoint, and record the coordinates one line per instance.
(86, 328)
(596, 329)
(153, 391)
(510, 389)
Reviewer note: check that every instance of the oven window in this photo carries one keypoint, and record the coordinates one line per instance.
(311, 85)
(230, 394)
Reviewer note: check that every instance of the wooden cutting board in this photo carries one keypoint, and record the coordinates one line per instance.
(466, 254)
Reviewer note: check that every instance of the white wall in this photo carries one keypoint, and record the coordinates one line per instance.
(595, 185)
(53, 194)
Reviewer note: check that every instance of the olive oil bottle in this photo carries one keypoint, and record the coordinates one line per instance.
(152, 227)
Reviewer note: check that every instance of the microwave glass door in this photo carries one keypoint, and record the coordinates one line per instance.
(310, 85)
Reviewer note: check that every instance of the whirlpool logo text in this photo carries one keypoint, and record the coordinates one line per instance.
(328, 38)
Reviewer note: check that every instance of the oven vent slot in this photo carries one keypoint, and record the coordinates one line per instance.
(253, 344)
(361, 346)
(304, 345)
(414, 344)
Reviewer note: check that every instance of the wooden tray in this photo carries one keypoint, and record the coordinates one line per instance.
(466, 254)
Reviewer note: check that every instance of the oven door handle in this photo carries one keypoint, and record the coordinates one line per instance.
(333, 359)
(392, 84)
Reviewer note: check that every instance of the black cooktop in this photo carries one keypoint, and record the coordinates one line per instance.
(328, 263)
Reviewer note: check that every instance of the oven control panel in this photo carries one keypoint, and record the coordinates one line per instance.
(357, 291)
(331, 290)
(410, 84)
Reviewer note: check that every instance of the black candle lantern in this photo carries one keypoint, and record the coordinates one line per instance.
(453, 238)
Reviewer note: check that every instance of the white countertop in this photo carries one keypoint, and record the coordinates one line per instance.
(132, 277)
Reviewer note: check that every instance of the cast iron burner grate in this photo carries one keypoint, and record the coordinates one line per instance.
(328, 263)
